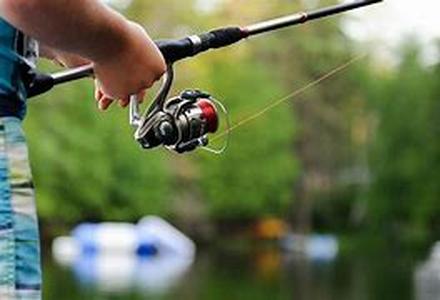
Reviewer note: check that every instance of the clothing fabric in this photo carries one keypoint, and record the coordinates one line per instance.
(18, 54)
(20, 273)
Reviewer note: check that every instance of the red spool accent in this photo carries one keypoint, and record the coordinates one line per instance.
(209, 113)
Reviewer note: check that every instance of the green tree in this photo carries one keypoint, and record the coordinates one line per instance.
(405, 151)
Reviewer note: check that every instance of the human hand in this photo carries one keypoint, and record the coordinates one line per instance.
(132, 70)
(135, 68)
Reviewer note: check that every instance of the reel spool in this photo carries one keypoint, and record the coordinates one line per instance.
(181, 124)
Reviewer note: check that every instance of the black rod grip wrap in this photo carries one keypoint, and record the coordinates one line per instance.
(38, 84)
(222, 37)
(175, 50)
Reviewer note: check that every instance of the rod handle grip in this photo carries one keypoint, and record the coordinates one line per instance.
(172, 50)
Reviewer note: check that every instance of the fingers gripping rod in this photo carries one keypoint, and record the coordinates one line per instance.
(175, 50)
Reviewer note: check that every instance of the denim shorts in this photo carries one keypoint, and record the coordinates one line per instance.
(20, 271)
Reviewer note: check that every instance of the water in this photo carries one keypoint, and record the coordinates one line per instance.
(262, 273)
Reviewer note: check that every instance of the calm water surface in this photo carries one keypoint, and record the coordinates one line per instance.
(254, 274)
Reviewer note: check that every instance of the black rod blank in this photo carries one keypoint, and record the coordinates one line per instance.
(303, 17)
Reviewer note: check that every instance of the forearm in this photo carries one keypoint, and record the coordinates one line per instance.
(85, 27)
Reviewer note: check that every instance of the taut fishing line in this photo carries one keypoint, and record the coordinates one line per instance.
(290, 96)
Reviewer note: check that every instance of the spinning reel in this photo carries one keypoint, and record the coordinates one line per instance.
(181, 124)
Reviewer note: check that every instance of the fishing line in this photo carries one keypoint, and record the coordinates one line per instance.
(292, 95)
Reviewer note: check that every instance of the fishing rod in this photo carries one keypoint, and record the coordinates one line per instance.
(183, 123)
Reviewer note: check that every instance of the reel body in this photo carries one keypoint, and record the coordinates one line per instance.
(181, 124)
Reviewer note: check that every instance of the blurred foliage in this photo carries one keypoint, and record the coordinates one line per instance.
(405, 150)
(360, 149)
(255, 175)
